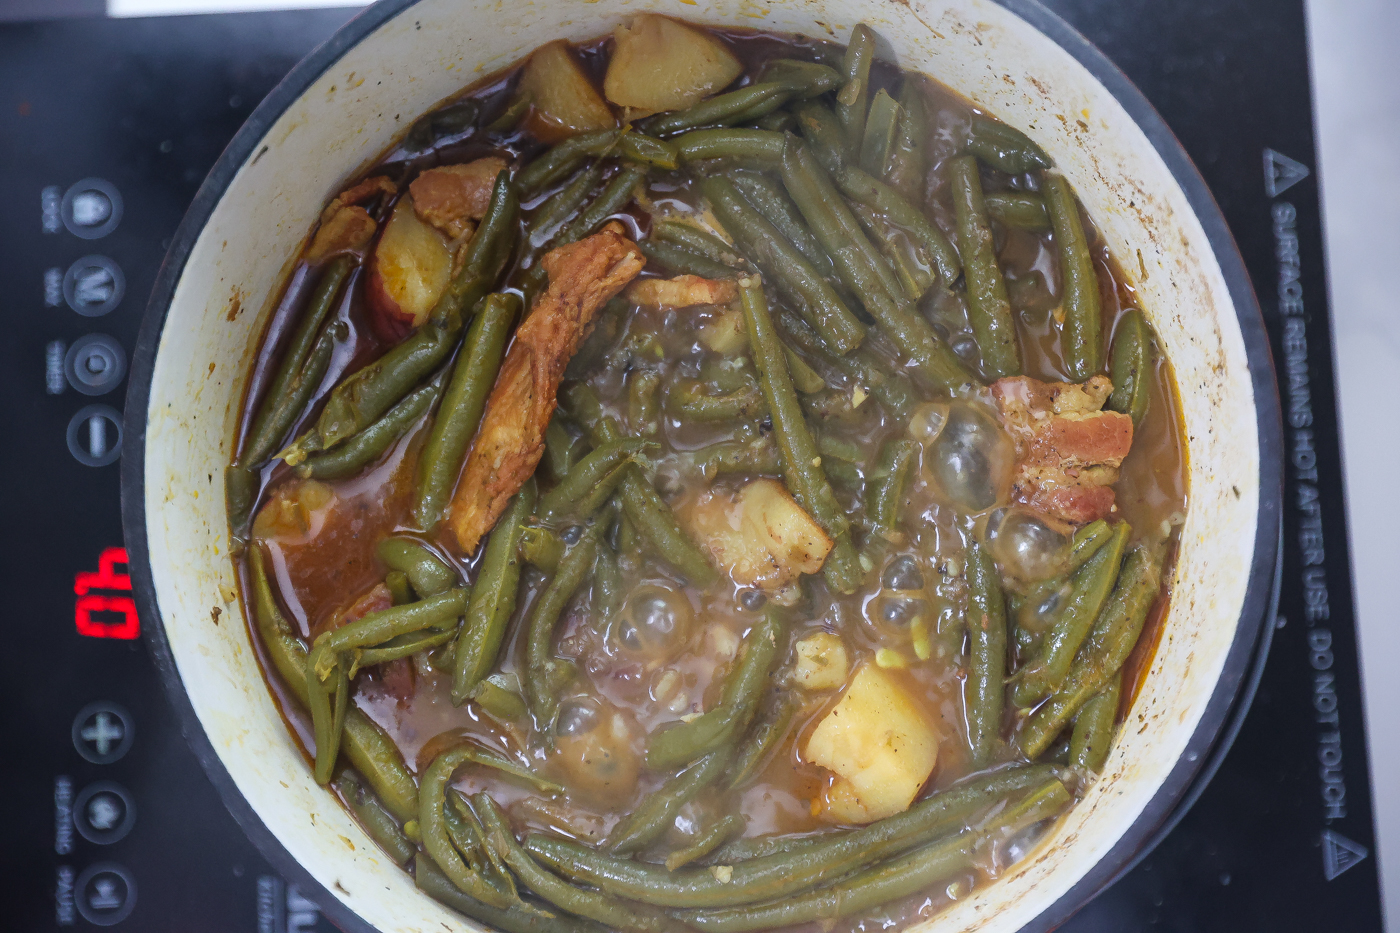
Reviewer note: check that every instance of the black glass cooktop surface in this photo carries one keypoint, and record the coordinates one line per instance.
(110, 125)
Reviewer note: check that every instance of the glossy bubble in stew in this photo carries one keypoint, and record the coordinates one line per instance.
(825, 585)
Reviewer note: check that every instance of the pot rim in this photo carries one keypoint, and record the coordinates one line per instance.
(1233, 691)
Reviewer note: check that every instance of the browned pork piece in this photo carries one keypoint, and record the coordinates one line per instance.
(583, 276)
(345, 226)
(1068, 449)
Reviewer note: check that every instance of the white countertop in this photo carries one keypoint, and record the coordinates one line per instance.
(1356, 89)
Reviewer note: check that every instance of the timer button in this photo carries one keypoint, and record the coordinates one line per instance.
(102, 732)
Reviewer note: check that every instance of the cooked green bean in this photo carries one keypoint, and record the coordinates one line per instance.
(613, 198)
(799, 865)
(578, 493)
(563, 205)
(1080, 337)
(707, 840)
(888, 881)
(696, 240)
(459, 415)
(888, 202)
(851, 100)
(986, 622)
(541, 547)
(907, 156)
(738, 701)
(747, 103)
(438, 612)
(884, 498)
(806, 379)
(778, 121)
(1019, 210)
(1093, 727)
(499, 699)
(683, 261)
(769, 198)
(401, 646)
(368, 750)
(1004, 147)
(817, 301)
(608, 593)
(881, 127)
(643, 405)
(287, 394)
(820, 204)
(377, 821)
(328, 703)
(400, 593)
(648, 150)
(769, 729)
(425, 570)
(432, 822)
(493, 598)
(369, 445)
(861, 366)
(366, 394)
(688, 400)
(558, 161)
(988, 308)
(648, 820)
(1130, 366)
(913, 267)
(540, 663)
(757, 456)
(561, 449)
(764, 147)
(1112, 640)
(432, 882)
(806, 79)
(801, 460)
(644, 508)
(1087, 541)
(463, 835)
(619, 915)
(1092, 584)
(824, 133)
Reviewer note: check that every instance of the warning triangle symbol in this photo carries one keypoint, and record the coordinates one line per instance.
(1282, 173)
(1339, 853)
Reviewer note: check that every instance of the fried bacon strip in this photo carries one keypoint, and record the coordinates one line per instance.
(453, 197)
(683, 291)
(345, 226)
(583, 276)
(1068, 450)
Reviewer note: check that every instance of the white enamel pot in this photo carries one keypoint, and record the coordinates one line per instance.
(340, 107)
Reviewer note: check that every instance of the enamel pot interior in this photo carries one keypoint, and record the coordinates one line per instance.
(338, 109)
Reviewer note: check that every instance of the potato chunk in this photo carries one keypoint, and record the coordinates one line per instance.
(821, 662)
(760, 536)
(660, 64)
(566, 102)
(879, 743)
(410, 270)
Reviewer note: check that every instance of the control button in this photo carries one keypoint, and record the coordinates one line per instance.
(95, 364)
(54, 383)
(102, 732)
(92, 208)
(103, 813)
(95, 435)
(93, 285)
(105, 894)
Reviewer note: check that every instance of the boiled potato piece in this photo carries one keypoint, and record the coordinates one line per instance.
(821, 662)
(879, 743)
(727, 334)
(565, 101)
(760, 536)
(660, 64)
(408, 274)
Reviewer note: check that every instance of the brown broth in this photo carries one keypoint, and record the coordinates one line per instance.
(325, 567)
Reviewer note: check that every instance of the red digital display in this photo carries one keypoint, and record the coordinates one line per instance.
(96, 613)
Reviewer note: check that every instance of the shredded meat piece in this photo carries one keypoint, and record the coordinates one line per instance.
(683, 291)
(1068, 450)
(451, 197)
(583, 276)
(345, 226)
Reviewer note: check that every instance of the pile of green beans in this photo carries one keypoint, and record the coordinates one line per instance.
(813, 193)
